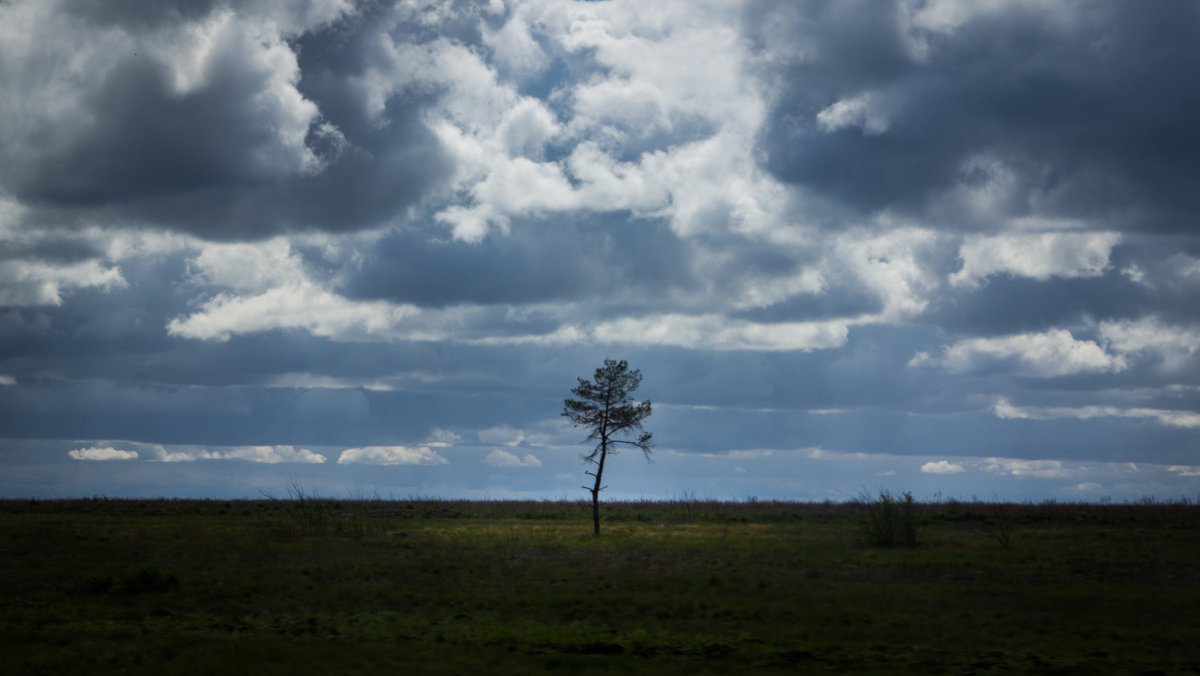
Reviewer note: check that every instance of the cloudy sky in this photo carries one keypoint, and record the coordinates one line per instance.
(943, 247)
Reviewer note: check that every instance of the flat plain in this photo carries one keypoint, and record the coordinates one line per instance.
(315, 585)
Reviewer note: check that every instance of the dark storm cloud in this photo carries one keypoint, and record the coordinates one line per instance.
(52, 248)
(1149, 279)
(1007, 305)
(240, 415)
(540, 260)
(123, 13)
(231, 140)
(1093, 112)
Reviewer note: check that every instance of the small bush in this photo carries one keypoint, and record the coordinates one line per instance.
(888, 521)
(310, 513)
(1000, 527)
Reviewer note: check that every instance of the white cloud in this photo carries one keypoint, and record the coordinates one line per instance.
(499, 458)
(554, 431)
(700, 332)
(248, 266)
(305, 305)
(391, 455)
(514, 48)
(503, 434)
(1038, 469)
(635, 108)
(440, 438)
(946, 16)
(691, 52)
(1184, 470)
(31, 283)
(1175, 345)
(1044, 355)
(942, 467)
(892, 262)
(302, 305)
(305, 380)
(665, 128)
(1171, 418)
(272, 454)
(527, 128)
(7, 380)
(663, 75)
(106, 453)
(715, 332)
(757, 291)
(863, 111)
(256, 454)
(1036, 255)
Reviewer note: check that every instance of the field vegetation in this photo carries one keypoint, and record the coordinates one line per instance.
(312, 585)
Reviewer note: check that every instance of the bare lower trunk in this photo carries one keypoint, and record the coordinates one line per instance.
(596, 489)
(595, 512)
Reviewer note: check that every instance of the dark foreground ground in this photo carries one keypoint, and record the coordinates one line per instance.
(319, 586)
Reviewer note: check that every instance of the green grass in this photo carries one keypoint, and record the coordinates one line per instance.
(427, 586)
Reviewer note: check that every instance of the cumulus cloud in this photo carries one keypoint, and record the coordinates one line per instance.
(191, 117)
(649, 135)
(240, 63)
(248, 266)
(1044, 355)
(105, 453)
(713, 332)
(1038, 256)
(31, 283)
(942, 467)
(256, 454)
(502, 434)
(499, 458)
(440, 438)
(894, 264)
(272, 454)
(303, 306)
(861, 111)
(391, 455)
(7, 380)
(1174, 345)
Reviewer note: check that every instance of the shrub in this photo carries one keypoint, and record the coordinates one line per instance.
(888, 520)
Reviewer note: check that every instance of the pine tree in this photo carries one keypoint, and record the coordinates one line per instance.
(606, 408)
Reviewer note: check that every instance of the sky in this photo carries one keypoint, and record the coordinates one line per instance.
(368, 247)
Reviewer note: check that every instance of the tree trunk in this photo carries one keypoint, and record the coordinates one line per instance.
(595, 512)
(597, 487)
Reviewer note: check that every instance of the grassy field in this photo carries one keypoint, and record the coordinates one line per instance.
(337, 586)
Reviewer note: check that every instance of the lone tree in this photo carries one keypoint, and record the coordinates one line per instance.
(605, 407)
